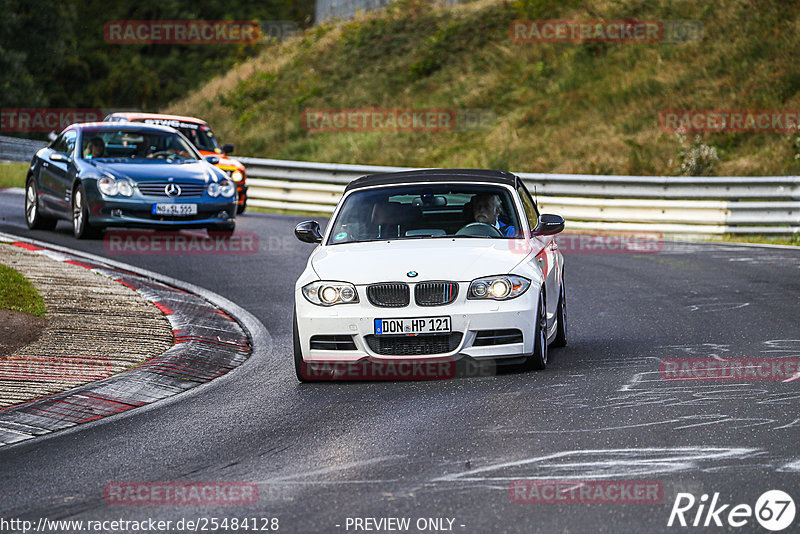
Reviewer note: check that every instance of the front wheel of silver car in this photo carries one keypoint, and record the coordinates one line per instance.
(538, 360)
(80, 215)
(33, 215)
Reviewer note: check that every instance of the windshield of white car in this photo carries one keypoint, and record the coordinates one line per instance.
(426, 211)
(136, 145)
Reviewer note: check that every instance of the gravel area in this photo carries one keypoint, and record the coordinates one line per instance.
(96, 327)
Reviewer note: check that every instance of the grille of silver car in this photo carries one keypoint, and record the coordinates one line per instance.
(389, 295)
(157, 189)
(435, 293)
(414, 345)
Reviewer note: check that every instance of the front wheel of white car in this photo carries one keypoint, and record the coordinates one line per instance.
(298, 353)
(561, 317)
(300, 367)
(538, 360)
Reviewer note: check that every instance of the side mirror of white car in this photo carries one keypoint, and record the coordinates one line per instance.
(308, 232)
(549, 224)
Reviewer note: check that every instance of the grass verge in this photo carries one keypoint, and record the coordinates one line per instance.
(549, 107)
(319, 215)
(17, 293)
(792, 240)
(13, 174)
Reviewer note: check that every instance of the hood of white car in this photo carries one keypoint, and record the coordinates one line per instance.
(459, 260)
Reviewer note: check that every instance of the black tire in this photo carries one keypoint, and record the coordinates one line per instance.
(538, 360)
(33, 216)
(299, 365)
(241, 207)
(561, 317)
(81, 228)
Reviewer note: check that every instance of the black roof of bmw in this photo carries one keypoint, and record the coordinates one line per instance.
(118, 126)
(434, 175)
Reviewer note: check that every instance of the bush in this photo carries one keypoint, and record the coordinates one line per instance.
(696, 158)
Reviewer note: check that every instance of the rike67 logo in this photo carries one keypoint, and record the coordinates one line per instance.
(774, 510)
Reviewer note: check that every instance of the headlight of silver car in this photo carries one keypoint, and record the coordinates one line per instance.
(107, 186)
(111, 187)
(324, 293)
(224, 188)
(501, 287)
(125, 188)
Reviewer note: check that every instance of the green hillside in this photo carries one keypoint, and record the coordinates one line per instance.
(572, 108)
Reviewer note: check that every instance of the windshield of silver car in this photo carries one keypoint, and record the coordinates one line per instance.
(133, 144)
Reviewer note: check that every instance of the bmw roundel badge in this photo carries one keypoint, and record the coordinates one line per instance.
(412, 274)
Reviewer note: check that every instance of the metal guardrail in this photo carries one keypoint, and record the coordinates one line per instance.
(670, 205)
(16, 149)
(666, 204)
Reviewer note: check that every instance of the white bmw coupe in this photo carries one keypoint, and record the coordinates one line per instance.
(433, 265)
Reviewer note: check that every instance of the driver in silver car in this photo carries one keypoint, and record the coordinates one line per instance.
(486, 208)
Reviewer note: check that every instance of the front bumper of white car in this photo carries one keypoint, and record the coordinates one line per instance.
(481, 329)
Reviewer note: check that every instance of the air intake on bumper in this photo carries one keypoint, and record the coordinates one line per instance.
(414, 345)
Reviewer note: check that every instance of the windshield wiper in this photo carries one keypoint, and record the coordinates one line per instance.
(463, 236)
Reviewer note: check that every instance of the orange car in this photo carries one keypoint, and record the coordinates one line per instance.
(198, 132)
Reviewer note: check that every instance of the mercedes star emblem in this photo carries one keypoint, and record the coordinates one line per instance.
(172, 190)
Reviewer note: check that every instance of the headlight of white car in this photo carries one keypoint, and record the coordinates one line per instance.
(501, 287)
(111, 187)
(324, 293)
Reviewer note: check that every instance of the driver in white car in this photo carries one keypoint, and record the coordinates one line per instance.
(486, 209)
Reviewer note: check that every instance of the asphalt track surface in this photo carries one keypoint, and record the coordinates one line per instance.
(323, 453)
